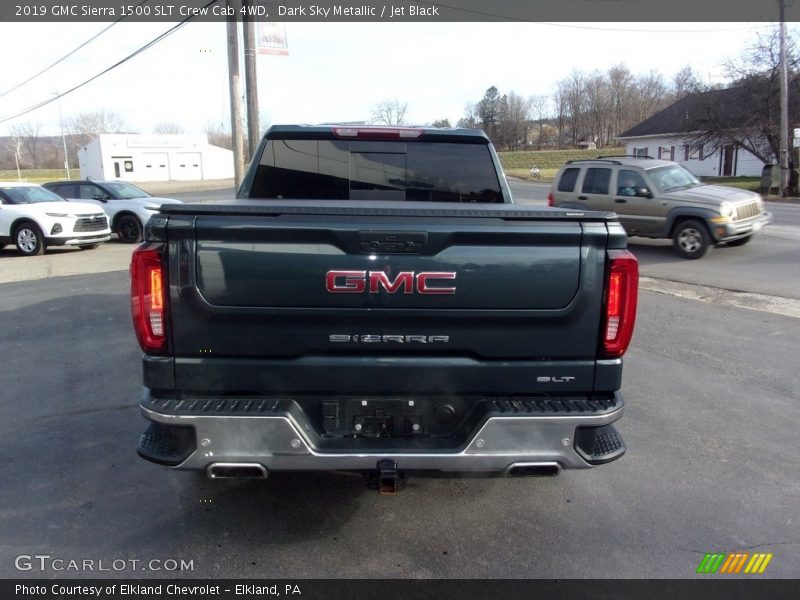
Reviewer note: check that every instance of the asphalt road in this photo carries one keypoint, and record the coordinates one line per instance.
(711, 424)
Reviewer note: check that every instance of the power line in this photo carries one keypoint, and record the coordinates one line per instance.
(148, 45)
(68, 54)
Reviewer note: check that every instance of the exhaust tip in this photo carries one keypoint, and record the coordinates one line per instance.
(533, 470)
(237, 471)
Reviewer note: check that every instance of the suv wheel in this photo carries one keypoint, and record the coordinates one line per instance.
(691, 239)
(129, 229)
(28, 239)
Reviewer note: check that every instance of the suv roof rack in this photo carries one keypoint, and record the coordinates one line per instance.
(599, 159)
(627, 156)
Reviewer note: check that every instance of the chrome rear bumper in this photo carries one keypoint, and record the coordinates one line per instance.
(283, 443)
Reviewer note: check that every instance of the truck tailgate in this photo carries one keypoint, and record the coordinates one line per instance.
(304, 299)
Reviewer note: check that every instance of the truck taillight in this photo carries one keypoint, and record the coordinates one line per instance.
(550, 199)
(622, 290)
(148, 298)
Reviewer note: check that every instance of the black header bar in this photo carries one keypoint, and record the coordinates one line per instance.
(398, 10)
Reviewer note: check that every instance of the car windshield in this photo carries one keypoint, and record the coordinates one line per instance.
(673, 177)
(125, 191)
(30, 194)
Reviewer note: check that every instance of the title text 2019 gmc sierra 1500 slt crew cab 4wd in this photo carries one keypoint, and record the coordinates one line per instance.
(374, 301)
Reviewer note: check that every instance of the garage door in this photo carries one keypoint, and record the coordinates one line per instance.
(156, 166)
(187, 166)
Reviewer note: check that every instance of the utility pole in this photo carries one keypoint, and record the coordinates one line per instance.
(235, 88)
(251, 84)
(63, 137)
(784, 150)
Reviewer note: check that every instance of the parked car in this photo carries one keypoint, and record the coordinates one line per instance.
(661, 199)
(127, 206)
(33, 218)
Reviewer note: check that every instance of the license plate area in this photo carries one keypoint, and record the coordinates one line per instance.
(384, 419)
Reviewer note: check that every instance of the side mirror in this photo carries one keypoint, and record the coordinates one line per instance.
(643, 192)
(100, 197)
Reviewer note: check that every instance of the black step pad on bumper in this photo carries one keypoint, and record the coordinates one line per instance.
(599, 445)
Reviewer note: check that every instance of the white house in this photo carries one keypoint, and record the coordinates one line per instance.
(668, 135)
(156, 157)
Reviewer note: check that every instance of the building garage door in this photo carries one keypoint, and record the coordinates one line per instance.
(156, 166)
(187, 166)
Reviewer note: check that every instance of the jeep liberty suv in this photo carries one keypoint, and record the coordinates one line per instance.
(661, 199)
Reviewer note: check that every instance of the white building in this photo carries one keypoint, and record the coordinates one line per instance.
(669, 135)
(156, 157)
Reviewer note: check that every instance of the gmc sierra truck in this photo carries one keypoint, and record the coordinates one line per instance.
(373, 300)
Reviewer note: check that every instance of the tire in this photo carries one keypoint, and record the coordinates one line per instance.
(129, 229)
(89, 246)
(691, 239)
(740, 241)
(28, 239)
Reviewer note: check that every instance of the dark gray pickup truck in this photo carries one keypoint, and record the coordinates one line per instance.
(374, 301)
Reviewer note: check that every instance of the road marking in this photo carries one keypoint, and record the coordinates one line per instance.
(777, 305)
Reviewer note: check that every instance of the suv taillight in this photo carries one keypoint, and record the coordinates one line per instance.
(550, 199)
(622, 290)
(149, 298)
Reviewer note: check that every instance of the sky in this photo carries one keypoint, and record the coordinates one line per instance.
(336, 71)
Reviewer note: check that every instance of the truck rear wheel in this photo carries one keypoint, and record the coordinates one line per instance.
(691, 239)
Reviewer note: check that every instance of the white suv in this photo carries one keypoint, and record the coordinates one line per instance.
(33, 218)
(127, 206)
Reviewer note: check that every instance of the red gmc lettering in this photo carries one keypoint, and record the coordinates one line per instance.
(355, 282)
(404, 279)
(424, 288)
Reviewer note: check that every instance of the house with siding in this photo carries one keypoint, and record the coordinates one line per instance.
(671, 134)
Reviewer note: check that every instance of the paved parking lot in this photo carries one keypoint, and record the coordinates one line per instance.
(711, 425)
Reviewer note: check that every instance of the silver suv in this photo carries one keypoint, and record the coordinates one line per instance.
(661, 199)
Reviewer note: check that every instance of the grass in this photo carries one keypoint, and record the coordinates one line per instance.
(752, 184)
(37, 175)
(518, 164)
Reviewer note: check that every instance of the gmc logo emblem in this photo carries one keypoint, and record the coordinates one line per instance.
(359, 282)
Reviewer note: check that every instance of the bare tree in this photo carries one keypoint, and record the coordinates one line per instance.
(441, 123)
(747, 115)
(685, 82)
(95, 122)
(168, 127)
(389, 112)
(574, 90)
(14, 145)
(470, 118)
(598, 99)
(620, 85)
(28, 134)
(539, 111)
(218, 134)
(560, 102)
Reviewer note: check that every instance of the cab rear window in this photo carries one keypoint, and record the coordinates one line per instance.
(376, 170)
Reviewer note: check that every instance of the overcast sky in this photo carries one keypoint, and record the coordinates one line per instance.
(338, 71)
